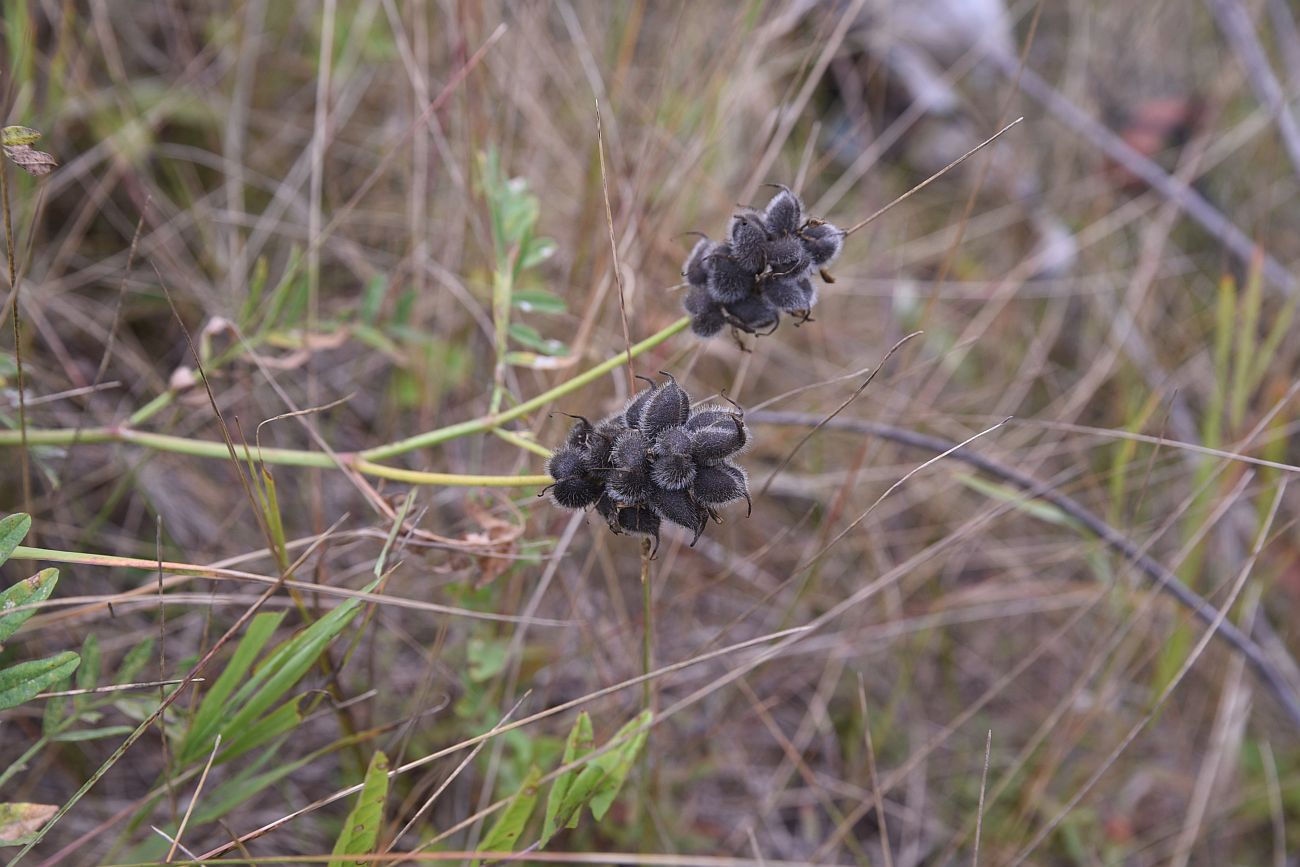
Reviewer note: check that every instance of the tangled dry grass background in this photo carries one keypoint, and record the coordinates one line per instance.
(305, 181)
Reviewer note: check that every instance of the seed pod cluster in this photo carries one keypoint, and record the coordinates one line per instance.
(655, 460)
(763, 269)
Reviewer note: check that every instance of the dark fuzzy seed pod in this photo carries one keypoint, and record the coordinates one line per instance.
(783, 215)
(680, 509)
(608, 509)
(698, 301)
(728, 281)
(708, 323)
(639, 521)
(630, 450)
(600, 444)
(786, 256)
(673, 440)
(719, 441)
(822, 241)
(579, 434)
(696, 271)
(748, 239)
(672, 472)
(784, 294)
(566, 463)
(636, 406)
(630, 479)
(809, 290)
(577, 493)
(705, 416)
(720, 484)
(753, 314)
(667, 407)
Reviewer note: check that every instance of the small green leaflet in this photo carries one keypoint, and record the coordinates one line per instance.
(360, 833)
(12, 530)
(27, 592)
(509, 826)
(21, 682)
(529, 336)
(580, 742)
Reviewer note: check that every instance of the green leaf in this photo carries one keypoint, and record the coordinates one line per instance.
(12, 530)
(88, 673)
(1018, 500)
(578, 795)
(20, 682)
(135, 660)
(486, 658)
(579, 743)
(19, 135)
(360, 834)
(530, 337)
(537, 251)
(18, 821)
(26, 592)
(618, 763)
(372, 298)
(510, 824)
(241, 789)
(92, 734)
(216, 706)
(283, 719)
(538, 301)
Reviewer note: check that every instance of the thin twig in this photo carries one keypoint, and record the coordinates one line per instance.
(613, 251)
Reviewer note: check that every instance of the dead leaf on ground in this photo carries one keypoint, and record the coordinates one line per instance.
(30, 160)
(19, 820)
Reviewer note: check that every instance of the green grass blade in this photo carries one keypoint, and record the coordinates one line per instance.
(216, 705)
(360, 834)
(19, 683)
(12, 530)
(26, 592)
(280, 721)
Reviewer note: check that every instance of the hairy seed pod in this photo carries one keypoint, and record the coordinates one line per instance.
(783, 214)
(680, 509)
(636, 406)
(787, 257)
(696, 271)
(712, 414)
(720, 484)
(566, 463)
(698, 301)
(719, 441)
(579, 434)
(600, 444)
(754, 315)
(809, 290)
(639, 521)
(822, 241)
(608, 509)
(748, 238)
(668, 406)
(709, 323)
(784, 294)
(578, 493)
(672, 472)
(630, 478)
(728, 281)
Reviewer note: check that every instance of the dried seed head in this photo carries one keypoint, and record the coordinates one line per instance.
(809, 290)
(784, 294)
(566, 463)
(783, 214)
(719, 441)
(579, 433)
(748, 238)
(712, 414)
(668, 406)
(696, 270)
(672, 472)
(754, 314)
(698, 300)
(720, 484)
(578, 493)
(822, 241)
(636, 405)
(728, 281)
(787, 257)
(639, 521)
(708, 323)
(678, 507)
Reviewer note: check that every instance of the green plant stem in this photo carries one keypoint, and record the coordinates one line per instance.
(362, 462)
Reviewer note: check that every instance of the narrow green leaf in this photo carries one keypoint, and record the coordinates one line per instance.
(1017, 499)
(12, 530)
(215, 706)
(505, 832)
(538, 301)
(20, 682)
(242, 788)
(283, 719)
(579, 795)
(88, 673)
(579, 743)
(360, 834)
(92, 734)
(537, 251)
(56, 710)
(135, 660)
(19, 135)
(618, 763)
(529, 336)
(29, 591)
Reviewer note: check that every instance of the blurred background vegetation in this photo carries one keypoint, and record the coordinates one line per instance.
(393, 213)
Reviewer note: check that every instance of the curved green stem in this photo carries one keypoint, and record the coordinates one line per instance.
(365, 461)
